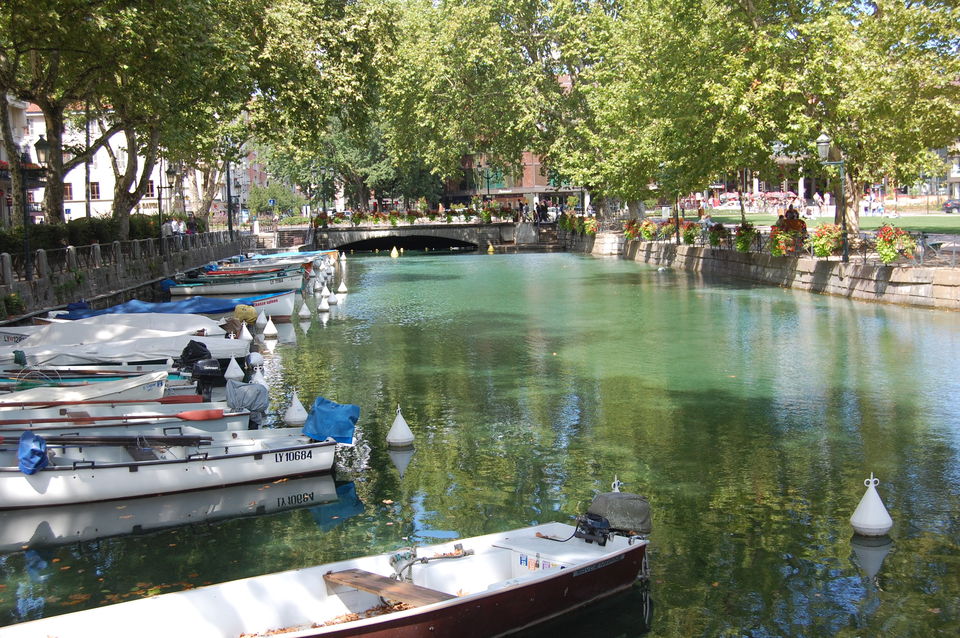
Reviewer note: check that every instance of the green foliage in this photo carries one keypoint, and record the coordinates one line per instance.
(13, 304)
(689, 232)
(784, 242)
(717, 234)
(893, 242)
(825, 240)
(286, 202)
(744, 236)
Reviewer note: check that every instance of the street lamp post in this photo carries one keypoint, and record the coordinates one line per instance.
(487, 175)
(824, 142)
(229, 203)
(171, 173)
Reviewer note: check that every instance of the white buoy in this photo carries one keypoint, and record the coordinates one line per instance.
(254, 359)
(401, 459)
(270, 330)
(343, 256)
(325, 292)
(233, 371)
(245, 333)
(394, 253)
(295, 414)
(317, 285)
(332, 300)
(259, 378)
(304, 312)
(616, 485)
(323, 305)
(343, 287)
(261, 321)
(871, 517)
(399, 435)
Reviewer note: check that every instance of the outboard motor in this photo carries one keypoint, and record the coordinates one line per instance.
(206, 373)
(611, 513)
(193, 352)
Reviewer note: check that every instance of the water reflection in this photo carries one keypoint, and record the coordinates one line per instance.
(747, 415)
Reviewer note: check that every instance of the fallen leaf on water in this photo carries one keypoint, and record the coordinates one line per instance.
(714, 584)
(387, 501)
(55, 560)
(65, 568)
(389, 523)
(934, 610)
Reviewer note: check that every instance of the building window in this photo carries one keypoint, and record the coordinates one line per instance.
(150, 191)
(67, 191)
(94, 190)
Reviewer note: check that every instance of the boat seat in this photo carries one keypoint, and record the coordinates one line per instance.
(388, 588)
(141, 453)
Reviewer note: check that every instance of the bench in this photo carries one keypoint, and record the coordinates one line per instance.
(388, 588)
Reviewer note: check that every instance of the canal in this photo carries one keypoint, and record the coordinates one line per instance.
(749, 416)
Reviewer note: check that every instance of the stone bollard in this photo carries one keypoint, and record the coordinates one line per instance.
(97, 261)
(71, 258)
(41, 265)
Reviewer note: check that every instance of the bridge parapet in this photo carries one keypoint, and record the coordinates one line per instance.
(479, 235)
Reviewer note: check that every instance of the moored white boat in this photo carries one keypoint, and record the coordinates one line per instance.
(143, 387)
(472, 588)
(105, 468)
(51, 526)
(278, 306)
(245, 286)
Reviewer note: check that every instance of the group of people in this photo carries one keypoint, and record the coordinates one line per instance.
(173, 226)
(790, 220)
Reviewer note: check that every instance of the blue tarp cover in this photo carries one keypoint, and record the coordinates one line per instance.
(192, 305)
(330, 419)
(32, 453)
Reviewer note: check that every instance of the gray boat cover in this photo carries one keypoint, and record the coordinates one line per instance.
(248, 396)
(626, 512)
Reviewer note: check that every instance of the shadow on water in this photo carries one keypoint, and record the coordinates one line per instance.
(624, 615)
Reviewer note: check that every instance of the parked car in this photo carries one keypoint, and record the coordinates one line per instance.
(951, 206)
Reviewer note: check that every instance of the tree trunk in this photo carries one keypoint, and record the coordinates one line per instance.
(16, 173)
(53, 190)
(130, 187)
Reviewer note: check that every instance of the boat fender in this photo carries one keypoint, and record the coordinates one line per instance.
(32, 453)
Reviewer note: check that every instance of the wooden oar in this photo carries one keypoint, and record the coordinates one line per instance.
(179, 398)
(139, 441)
(188, 415)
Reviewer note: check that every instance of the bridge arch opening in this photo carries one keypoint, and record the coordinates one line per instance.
(408, 242)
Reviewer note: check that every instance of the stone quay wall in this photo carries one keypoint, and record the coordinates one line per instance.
(928, 287)
(107, 274)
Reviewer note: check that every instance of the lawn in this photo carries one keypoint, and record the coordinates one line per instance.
(940, 224)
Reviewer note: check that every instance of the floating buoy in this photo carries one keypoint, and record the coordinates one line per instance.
(259, 378)
(401, 250)
(317, 285)
(343, 256)
(401, 459)
(661, 269)
(394, 253)
(245, 333)
(304, 312)
(325, 292)
(295, 414)
(376, 251)
(616, 485)
(343, 287)
(323, 305)
(332, 299)
(233, 371)
(871, 517)
(261, 321)
(254, 359)
(270, 330)
(490, 249)
(399, 435)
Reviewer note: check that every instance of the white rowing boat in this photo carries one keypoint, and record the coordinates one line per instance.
(244, 286)
(144, 387)
(82, 469)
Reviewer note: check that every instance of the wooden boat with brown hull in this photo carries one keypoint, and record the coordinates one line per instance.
(478, 587)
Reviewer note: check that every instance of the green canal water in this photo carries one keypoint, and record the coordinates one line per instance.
(749, 416)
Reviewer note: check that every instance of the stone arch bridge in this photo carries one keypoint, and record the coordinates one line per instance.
(419, 236)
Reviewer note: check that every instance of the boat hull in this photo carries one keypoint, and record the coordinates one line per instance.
(493, 588)
(80, 478)
(242, 287)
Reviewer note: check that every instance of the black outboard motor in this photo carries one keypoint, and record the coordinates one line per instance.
(614, 513)
(206, 373)
(195, 351)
